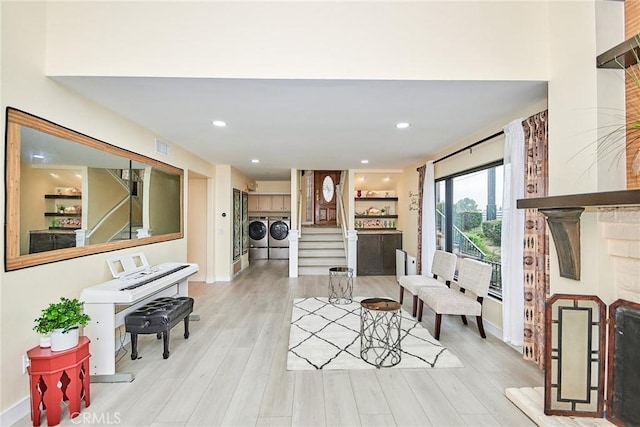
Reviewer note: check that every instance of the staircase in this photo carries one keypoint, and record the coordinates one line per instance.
(320, 248)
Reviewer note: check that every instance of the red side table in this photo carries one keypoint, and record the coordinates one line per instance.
(56, 376)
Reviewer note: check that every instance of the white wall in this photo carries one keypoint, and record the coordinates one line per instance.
(440, 40)
(197, 235)
(275, 187)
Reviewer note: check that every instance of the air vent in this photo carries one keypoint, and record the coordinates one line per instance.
(162, 148)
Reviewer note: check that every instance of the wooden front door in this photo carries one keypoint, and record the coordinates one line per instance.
(325, 196)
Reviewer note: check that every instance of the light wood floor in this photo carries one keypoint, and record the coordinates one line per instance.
(232, 369)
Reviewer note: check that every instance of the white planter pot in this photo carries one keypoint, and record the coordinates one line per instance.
(64, 340)
(45, 341)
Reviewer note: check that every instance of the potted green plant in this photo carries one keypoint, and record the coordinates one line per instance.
(62, 320)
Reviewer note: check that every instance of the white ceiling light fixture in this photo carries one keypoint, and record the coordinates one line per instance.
(403, 125)
(38, 156)
(219, 123)
(364, 162)
(255, 160)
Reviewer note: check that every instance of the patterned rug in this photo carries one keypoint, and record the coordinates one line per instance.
(327, 336)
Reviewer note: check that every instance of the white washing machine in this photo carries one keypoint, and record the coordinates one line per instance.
(258, 238)
(279, 237)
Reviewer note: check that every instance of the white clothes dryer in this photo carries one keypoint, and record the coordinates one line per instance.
(279, 237)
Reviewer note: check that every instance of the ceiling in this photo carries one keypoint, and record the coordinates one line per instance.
(311, 124)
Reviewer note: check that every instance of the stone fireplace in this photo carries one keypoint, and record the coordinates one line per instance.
(621, 231)
(619, 224)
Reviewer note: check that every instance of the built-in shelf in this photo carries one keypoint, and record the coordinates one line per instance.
(563, 216)
(62, 196)
(62, 214)
(376, 198)
(621, 56)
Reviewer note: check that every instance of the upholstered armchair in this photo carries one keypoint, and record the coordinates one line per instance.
(473, 276)
(442, 271)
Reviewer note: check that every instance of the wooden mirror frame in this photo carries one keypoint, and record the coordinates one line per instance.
(13, 260)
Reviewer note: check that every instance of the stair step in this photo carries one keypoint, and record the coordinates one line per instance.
(320, 244)
(321, 230)
(325, 261)
(321, 252)
(321, 237)
(315, 270)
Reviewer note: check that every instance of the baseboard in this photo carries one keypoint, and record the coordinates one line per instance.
(492, 329)
(16, 412)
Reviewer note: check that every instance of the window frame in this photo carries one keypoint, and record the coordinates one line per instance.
(448, 208)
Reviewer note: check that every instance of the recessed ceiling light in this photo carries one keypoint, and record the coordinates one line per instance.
(403, 125)
(364, 161)
(255, 160)
(38, 156)
(219, 123)
(386, 179)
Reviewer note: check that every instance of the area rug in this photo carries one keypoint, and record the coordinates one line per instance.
(327, 336)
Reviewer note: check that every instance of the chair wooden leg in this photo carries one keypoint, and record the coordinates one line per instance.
(464, 319)
(481, 326)
(415, 306)
(420, 308)
(401, 294)
(438, 323)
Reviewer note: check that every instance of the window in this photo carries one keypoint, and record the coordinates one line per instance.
(469, 217)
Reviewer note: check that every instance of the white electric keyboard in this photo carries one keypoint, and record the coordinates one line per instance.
(135, 283)
(131, 288)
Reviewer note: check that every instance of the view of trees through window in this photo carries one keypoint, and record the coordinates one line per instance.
(469, 217)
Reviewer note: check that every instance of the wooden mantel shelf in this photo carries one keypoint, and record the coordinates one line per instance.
(603, 199)
(563, 216)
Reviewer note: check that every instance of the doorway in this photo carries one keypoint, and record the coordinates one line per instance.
(325, 212)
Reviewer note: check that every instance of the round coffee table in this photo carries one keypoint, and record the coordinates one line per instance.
(380, 332)
(340, 285)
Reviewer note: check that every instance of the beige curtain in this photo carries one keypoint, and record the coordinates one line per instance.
(536, 240)
(421, 173)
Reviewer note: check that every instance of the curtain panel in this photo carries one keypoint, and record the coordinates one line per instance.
(513, 235)
(421, 174)
(536, 239)
(428, 218)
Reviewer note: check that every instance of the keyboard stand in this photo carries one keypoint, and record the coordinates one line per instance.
(125, 377)
(105, 320)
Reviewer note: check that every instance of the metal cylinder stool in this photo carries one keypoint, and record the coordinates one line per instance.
(340, 285)
(380, 332)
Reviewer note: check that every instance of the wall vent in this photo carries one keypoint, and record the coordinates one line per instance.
(162, 148)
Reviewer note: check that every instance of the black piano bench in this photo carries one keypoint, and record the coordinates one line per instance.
(158, 317)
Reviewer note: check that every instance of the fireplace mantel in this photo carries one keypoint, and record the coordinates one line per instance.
(563, 216)
(585, 200)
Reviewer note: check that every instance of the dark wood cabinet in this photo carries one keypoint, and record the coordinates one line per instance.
(49, 240)
(377, 253)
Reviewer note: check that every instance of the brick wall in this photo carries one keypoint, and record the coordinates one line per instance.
(631, 28)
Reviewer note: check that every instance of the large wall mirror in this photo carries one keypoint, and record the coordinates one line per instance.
(69, 195)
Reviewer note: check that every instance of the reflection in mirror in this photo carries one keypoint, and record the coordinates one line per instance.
(70, 195)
